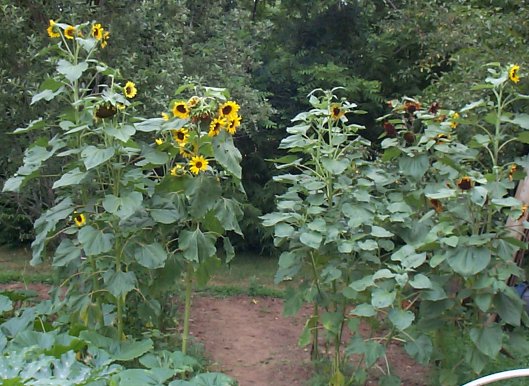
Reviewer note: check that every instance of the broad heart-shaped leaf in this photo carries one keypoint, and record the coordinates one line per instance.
(123, 133)
(488, 340)
(65, 253)
(73, 177)
(206, 379)
(144, 377)
(123, 206)
(13, 184)
(468, 260)
(94, 156)
(5, 304)
(420, 349)
(334, 166)
(197, 246)
(521, 120)
(152, 156)
(130, 350)
(401, 319)
(227, 211)
(203, 192)
(414, 166)
(311, 239)
(228, 249)
(71, 71)
(381, 298)
(227, 154)
(94, 241)
(119, 283)
(509, 307)
(151, 255)
(371, 349)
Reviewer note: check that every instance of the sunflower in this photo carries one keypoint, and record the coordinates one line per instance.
(229, 109)
(52, 30)
(442, 138)
(454, 123)
(159, 141)
(336, 111)
(79, 219)
(512, 170)
(437, 205)
(409, 137)
(524, 212)
(193, 101)
(513, 73)
(390, 130)
(181, 110)
(106, 36)
(197, 164)
(215, 126)
(97, 31)
(70, 32)
(185, 152)
(181, 136)
(105, 110)
(178, 170)
(465, 183)
(411, 106)
(130, 89)
(234, 124)
(165, 116)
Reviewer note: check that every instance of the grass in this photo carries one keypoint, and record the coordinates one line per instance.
(15, 267)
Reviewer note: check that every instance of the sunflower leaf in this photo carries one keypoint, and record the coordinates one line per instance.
(227, 154)
(72, 72)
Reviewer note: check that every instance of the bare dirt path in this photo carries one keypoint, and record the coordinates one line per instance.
(250, 340)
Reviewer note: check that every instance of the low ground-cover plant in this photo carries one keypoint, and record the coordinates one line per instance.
(413, 242)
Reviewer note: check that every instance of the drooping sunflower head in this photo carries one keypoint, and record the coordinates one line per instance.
(234, 124)
(79, 219)
(434, 108)
(465, 183)
(409, 137)
(390, 130)
(177, 170)
(198, 164)
(437, 205)
(181, 110)
(53, 31)
(336, 111)
(105, 110)
(97, 31)
(70, 32)
(216, 126)
(181, 136)
(106, 36)
(513, 73)
(229, 109)
(130, 89)
(412, 106)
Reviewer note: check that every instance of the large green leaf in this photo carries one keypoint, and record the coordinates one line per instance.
(65, 253)
(94, 241)
(71, 71)
(414, 167)
(123, 206)
(227, 154)
(420, 349)
(73, 177)
(227, 211)
(144, 377)
(381, 298)
(468, 261)
(206, 379)
(130, 350)
(203, 192)
(488, 340)
(311, 239)
(94, 156)
(197, 246)
(371, 349)
(509, 307)
(151, 255)
(123, 133)
(119, 283)
(401, 319)
(334, 166)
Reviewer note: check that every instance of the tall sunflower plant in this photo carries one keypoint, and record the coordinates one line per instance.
(337, 222)
(457, 170)
(128, 211)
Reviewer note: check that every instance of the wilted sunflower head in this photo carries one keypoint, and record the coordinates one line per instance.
(390, 130)
(465, 183)
(130, 89)
(409, 137)
(181, 110)
(105, 110)
(513, 73)
(437, 205)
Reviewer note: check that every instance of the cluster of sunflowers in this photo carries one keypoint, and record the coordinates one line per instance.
(206, 118)
(70, 32)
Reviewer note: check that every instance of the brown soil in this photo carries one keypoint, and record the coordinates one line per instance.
(251, 341)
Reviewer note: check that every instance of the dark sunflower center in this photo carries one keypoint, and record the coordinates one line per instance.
(180, 135)
(128, 90)
(198, 164)
(79, 218)
(336, 111)
(226, 110)
(181, 109)
(465, 184)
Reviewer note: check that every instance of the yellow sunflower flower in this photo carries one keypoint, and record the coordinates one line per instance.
(234, 124)
(52, 30)
(336, 111)
(70, 32)
(216, 126)
(79, 219)
(97, 31)
(130, 89)
(193, 101)
(454, 123)
(181, 110)
(178, 170)
(198, 164)
(465, 183)
(229, 109)
(185, 152)
(165, 116)
(158, 141)
(181, 136)
(513, 73)
(106, 36)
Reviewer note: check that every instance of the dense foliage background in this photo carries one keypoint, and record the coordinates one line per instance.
(269, 54)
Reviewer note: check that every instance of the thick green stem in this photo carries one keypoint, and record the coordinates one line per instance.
(119, 316)
(187, 309)
(315, 352)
